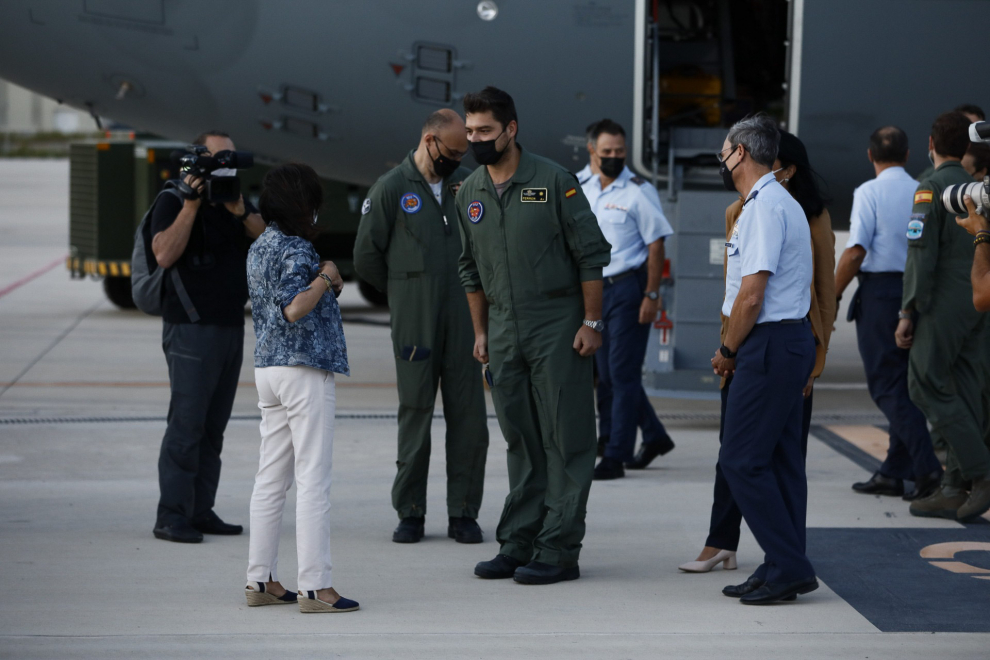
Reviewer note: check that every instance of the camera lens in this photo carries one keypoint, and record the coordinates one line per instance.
(953, 197)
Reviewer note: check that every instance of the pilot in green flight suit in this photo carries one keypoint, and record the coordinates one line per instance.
(532, 266)
(946, 370)
(408, 244)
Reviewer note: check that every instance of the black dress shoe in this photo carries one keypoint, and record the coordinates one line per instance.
(536, 572)
(211, 524)
(178, 533)
(924, 486)
(738, 590)
(880, 485)
(772, 593)
(503, 566)
(648, 451)
(608, 468)
(602, 442)
(464, 530)
(410, 530)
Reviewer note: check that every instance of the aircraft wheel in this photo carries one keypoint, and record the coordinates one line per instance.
(118, 290)
(372, 295)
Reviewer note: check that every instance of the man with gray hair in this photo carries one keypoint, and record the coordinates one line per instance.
(770, 350)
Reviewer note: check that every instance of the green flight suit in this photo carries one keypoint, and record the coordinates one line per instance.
(408, 245)
(529, 252)
(946, 368)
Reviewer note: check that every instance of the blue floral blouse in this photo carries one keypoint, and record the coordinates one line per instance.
(279, 267)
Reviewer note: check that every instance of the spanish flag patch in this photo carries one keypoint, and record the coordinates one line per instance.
(573, 191)
(923, 197)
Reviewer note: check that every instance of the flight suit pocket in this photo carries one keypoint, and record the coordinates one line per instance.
(405, 254)
(415, 382)
(555, 272)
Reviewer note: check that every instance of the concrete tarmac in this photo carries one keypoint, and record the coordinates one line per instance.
(85, 578)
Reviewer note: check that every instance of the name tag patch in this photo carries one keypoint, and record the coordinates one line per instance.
(533, 195)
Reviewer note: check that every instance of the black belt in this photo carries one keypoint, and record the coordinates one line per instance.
(863, 277)
(621, 276)
(785, 321)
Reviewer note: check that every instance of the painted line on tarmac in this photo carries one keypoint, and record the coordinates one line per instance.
(38, 273)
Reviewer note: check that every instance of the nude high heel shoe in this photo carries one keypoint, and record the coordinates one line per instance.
(725, 557)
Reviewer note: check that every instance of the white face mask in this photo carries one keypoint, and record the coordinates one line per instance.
(774, 173)
(225, 171)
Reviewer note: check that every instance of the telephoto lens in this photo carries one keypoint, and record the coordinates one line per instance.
(954, 197)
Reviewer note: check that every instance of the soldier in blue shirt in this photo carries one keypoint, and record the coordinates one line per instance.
(875, 255)
(770, 349)
(636, 228)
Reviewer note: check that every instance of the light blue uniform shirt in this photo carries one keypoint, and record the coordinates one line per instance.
(627, 217)
(771, 234)
(880, 215)
(648, 188)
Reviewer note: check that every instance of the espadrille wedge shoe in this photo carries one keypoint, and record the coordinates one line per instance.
(310, 604)
(257, 596)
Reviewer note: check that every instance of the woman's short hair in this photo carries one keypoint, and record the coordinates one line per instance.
(290, 195)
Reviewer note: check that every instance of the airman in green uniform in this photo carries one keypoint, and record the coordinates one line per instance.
(532, 266)
(946, 371)
(409, 245)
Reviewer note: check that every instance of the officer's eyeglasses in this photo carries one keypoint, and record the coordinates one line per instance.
(719, 154)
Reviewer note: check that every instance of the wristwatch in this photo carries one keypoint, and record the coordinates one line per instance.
(597, 326)
(652, 295)
(726, 353)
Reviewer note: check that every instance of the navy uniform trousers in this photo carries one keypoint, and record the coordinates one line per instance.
(622, 401)
(874, 308)
(762, 454)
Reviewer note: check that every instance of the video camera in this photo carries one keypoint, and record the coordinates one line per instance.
(222, 187)
(953, 197)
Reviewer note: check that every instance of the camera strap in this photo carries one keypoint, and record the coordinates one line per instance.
(180, 290)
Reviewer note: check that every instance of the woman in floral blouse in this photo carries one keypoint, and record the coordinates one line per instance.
(300, 345)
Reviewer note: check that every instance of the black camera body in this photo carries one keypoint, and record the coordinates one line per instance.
(193, 161)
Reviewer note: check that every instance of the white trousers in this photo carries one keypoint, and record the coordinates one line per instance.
(297, 417)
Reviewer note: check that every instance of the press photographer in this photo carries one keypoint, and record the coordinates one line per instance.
(202, 233)
(974, 199)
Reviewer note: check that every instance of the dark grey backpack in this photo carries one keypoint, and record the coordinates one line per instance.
(147, 279)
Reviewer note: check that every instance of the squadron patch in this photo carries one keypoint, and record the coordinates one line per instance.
(570, 193)
(475, 211)
(923, 197)
(533, 195)
(411, 203)
(916, 226)
(366, 207)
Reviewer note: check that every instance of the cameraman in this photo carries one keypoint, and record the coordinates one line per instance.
(978, 225)
(207, 243)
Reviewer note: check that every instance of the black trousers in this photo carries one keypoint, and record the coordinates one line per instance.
(204, 363)
(723, 530)
(874, 308)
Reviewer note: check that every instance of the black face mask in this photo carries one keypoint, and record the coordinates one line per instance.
(612, 167)
(726, 173)
(443, 166)
(486, 153)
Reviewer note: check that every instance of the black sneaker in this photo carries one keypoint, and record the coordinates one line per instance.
(210, 523)
(609, 468)
(536, 572)
(503, 566)
(410, 530)
(464, 530)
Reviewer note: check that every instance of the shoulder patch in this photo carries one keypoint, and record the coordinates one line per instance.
(366, 207)
(916, 226)
(454, 187)
(638, 180)
(923, 197)
(411, 203)
(570, 193)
